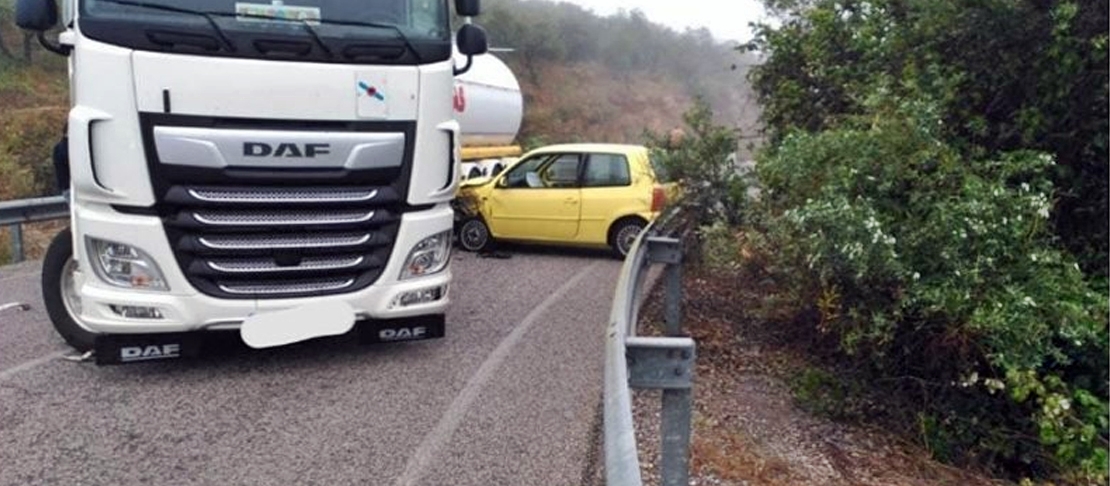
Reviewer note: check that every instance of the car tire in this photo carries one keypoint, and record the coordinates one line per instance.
(624, 235)
(474, 235)
(60, 295)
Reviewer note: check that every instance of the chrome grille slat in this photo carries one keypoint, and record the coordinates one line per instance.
(278, 218)
(269, 265)
(267, 242)
(280, 289)
(279, 195)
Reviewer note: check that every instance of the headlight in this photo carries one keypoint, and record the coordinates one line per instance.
(428, 257)
(125, 266)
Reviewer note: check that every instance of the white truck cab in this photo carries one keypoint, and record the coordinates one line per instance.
(284, 169)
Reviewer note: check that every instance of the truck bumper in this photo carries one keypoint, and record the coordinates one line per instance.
(184, 309)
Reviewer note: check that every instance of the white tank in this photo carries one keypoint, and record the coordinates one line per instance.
(488, 103)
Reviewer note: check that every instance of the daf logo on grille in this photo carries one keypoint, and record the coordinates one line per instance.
(289, 150)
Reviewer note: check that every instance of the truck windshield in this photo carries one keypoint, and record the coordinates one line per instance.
(367, 31)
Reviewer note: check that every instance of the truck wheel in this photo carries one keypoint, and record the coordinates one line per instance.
(474, 235)
(59, 292)
(624, 235)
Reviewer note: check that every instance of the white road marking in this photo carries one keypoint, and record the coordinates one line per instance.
(418, 464)
(17, 276)
(8, 373)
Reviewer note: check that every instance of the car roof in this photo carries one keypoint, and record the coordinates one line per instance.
(590, 147)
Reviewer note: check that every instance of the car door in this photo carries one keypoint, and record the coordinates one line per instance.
(538, 199)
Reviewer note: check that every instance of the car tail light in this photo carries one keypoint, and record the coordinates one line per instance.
(658, 199)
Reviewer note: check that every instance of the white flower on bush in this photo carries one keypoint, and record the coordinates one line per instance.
(994, 385)
(1055, 405)
(970, 380)
(1041, 204)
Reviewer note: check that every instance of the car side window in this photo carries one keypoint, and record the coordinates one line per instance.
(518, 176)
(561, 173)
(607, 170)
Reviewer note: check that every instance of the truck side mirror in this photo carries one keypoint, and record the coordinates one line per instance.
(36, 15)
(39, 16)
(471, 41)
(468, 8)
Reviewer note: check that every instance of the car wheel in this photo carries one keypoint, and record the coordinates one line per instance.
(625, 234)
(59, 292)
(474, 235)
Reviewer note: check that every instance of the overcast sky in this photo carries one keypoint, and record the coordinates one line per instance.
(726, 19)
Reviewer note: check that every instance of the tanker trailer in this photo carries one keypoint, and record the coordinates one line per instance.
(489, 108)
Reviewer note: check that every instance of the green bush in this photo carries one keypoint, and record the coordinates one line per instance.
(703, 161)
(925, 265)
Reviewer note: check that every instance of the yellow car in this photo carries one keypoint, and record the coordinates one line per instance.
(598, 195)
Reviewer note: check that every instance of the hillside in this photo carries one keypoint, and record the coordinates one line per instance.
(610, 78)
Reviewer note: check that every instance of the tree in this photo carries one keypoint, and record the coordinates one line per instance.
(1006, 75)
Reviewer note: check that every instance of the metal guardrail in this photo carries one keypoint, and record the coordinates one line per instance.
(15, 213)
(665, 363)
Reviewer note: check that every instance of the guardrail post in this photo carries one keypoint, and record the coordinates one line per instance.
(677, 400)
(669, 251)
(667, 363)
(677, 416)
(15, 232)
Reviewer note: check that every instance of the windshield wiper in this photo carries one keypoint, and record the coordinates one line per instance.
(304, 23)
(207, 16)
(316, 37)
(397, 30)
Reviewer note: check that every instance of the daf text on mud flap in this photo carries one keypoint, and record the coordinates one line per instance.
(403, 334)
(142, 353)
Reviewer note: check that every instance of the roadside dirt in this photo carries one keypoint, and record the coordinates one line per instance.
(747, 427)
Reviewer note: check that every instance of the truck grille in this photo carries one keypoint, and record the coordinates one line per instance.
(271, 218)
(263, 242)
(278, 227)
(281, 242)
(282, 195)
(268, 289)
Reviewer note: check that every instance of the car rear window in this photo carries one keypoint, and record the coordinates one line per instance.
(607, 170)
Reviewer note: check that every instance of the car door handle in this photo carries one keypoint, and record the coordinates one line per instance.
(570, 200)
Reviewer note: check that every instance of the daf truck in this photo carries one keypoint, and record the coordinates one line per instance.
(283, 170)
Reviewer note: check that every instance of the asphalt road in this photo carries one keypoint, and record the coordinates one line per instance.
(509, 397)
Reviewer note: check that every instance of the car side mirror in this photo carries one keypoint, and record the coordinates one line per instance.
(468, 8)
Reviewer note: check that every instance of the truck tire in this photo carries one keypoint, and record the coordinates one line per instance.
(474, 235)
(59, 293)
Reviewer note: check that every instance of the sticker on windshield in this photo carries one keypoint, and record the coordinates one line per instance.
(262, 12)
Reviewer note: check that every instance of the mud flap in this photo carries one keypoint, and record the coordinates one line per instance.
(134, 348)
(402, 330)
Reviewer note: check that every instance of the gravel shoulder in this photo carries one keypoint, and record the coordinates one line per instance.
(748, 429)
